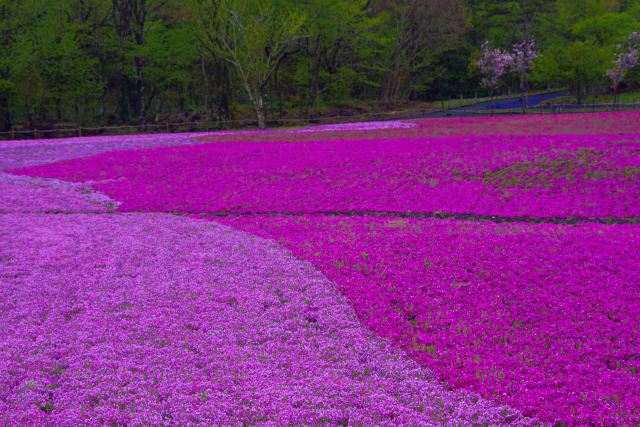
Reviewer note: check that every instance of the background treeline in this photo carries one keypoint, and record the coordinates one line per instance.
(102, 62)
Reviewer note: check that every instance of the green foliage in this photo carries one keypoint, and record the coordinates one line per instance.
(578, 66)
(109, 61)
(254, 37)
(570, 12)
(419, 32)
(339, 35)
(632, 8)
(605, 29)
(580, 39)
(49, 67)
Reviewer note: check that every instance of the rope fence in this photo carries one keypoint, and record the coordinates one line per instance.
(584, 108)
(167, 126)
(470, 110)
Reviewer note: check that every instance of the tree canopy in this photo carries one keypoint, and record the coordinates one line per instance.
(100, 62)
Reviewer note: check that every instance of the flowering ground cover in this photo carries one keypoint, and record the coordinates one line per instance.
(544, 317)
(15, 154)
(155, 319)
(624, 122)
(536, 316)
(338, 127)
(612, 123)
(26, 194)
(152, 319)
(595, 176)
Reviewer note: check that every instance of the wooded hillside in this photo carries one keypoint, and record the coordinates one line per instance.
(97, 62)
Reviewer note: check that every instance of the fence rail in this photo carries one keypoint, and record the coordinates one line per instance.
(168, 126)
(585, 107)
(203, 126)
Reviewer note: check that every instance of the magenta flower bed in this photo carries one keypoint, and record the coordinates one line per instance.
(158, 320)
(542, 318)
(28, 152)
(540, 176)
(545, 318)
(610, 123)
(627, 122)
(26, 194)
(15, 154)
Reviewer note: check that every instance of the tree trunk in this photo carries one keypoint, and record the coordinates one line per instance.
(580, 94)
(314, 90)
(225, 106)
(523, 95)
(394, 81)
(5, 114)
(129, 22)
(491, 101)
(259, 107)
(310, 104)
(207, 85)
(257, 100)
(136, 93)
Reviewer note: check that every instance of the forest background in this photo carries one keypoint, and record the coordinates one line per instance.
(110, 62)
